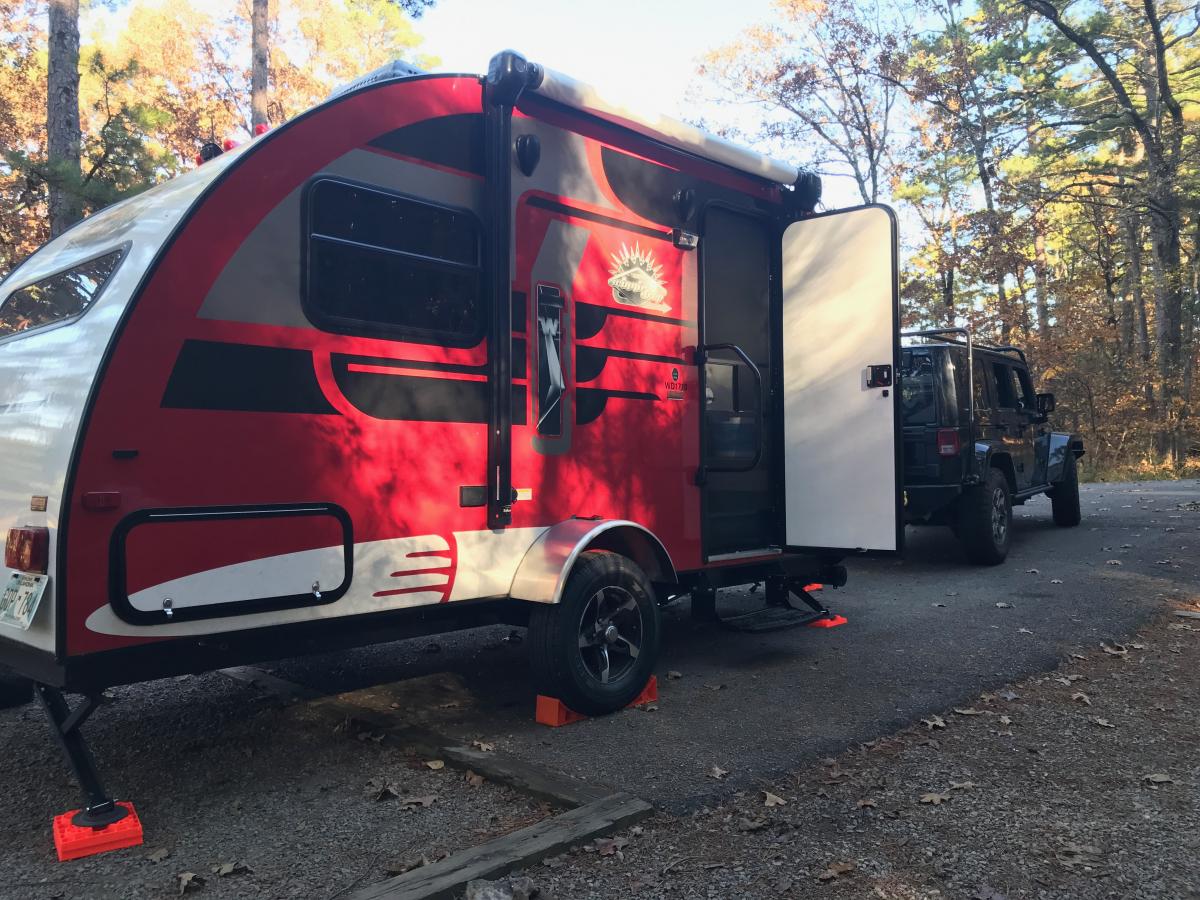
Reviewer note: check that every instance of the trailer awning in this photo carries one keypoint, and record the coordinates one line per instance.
(576, 94)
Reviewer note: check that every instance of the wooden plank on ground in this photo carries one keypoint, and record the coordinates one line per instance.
(536, 781)
(448, 878)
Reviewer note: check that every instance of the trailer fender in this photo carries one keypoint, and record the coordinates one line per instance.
(543, 571)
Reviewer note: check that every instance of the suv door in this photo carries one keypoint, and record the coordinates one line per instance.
(1016, 433)
(1039, 431)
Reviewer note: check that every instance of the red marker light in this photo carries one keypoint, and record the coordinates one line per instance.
(228, 144)
(948, 442)
(261, 128)
(28, 549)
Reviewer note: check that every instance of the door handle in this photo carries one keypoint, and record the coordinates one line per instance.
(702, 352)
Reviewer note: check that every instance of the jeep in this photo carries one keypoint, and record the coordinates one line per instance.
(976, 441)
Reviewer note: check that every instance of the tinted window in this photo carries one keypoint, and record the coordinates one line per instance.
(1006, 391)
(918, 388)
(981, 393)
(1028, 397)
(378, 262)
(62, 296)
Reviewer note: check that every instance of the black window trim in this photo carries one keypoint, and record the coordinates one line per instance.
(122, 248)
(380, 330)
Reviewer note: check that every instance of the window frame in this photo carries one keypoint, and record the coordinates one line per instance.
(122, 248)
(382, 330)
(998, 367)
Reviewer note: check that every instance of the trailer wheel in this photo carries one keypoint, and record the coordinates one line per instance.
(596, 648)
(14, 691)
(985, 520)
(1064, 496)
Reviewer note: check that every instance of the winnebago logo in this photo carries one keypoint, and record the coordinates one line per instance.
(637, 279)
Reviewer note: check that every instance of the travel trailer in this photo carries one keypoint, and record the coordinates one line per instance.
(443, 350)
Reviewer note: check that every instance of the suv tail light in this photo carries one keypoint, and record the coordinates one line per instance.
(948, 442)
(28, 549)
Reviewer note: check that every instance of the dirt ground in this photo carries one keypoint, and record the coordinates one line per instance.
(1082, 782)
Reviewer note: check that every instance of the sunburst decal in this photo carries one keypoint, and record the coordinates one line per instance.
(637, 279)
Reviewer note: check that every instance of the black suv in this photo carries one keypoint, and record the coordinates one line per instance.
(976, 441)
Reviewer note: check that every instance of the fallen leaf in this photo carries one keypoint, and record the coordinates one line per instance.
(866, 804)
(158, 855)
(1056, 581)
(1003, 605)
(484, 746)
(378, 789)
(435, 764)
(224, 870)
(717, 772)
(1158, 778)
(610, 846)
(1081, 697)
(1032, 572)
(835, 870)
(674, 676)
(770, 799)
(1113, 562)
(934, 722)
(961, 785)
(746, 824)
(473, 779)
(413, 802)
(400, 866)
(189, 881)
(1008, 695)
(1115, 649)
(1005, 720)
(1103, 723)
(1078, 656)
(1024, 631)
(935, 799)
(970, 711)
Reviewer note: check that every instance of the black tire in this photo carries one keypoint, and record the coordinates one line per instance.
(14, 691)
(985, 520)
(604, 591)
(1064, 496)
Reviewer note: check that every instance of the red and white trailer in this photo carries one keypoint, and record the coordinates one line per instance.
(443, 350)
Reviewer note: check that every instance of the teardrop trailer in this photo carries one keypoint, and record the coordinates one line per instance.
(442, 351)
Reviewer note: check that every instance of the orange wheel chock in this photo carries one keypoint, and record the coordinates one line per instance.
(73, 842)
(831, 622)
(553, 712)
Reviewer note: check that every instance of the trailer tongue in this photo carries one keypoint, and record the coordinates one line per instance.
(442, 351)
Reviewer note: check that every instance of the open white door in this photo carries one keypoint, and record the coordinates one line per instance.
(841, 446)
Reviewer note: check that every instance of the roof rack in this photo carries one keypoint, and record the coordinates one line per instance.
(967, 340)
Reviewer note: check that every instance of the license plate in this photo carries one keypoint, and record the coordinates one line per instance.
(20, 599)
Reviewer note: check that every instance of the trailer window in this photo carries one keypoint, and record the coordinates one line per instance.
(382, 263)
(65, 295)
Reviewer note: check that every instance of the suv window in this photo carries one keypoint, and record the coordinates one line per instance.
(64, 295)
(982, 405)
(1006, 390)
(379, 262)
(1028, 396)
(918, 397)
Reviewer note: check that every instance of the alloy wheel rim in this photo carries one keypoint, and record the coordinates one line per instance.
(610, 634)
(999, 517)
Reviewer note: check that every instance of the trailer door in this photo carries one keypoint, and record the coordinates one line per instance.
(841, 417)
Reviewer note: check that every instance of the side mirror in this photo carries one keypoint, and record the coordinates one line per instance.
(1045, 404)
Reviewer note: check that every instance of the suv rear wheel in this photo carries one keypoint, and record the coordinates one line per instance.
(596, 648)
(985, 520)
(1064, 496)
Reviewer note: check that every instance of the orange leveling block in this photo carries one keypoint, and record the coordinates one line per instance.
(828, 621)
(553, 712)
(74, 841)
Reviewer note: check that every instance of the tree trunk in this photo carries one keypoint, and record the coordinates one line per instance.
(260, 62)
(63, 138)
